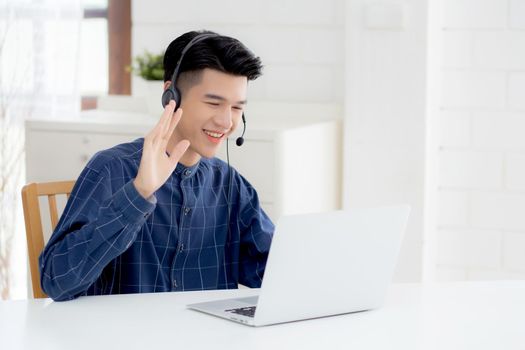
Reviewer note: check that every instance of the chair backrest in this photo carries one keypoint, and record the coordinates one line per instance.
(33, 221)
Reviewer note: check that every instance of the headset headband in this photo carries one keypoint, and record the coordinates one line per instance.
(192, 42)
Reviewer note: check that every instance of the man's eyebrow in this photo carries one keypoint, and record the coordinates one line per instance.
(220, 98)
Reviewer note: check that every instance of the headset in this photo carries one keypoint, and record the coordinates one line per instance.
(173, 93)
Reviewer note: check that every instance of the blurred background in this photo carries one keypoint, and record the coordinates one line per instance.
(362, 103)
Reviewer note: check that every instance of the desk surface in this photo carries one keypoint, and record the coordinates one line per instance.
(467, 315)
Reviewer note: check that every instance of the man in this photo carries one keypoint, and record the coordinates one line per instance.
(161, 213)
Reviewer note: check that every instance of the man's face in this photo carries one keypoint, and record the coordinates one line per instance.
(212, 110)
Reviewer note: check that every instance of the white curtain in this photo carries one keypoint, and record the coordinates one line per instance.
(38, 79)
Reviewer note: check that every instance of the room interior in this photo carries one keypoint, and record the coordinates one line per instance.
(368, 103)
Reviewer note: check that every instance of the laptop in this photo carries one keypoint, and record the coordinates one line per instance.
(321, 265)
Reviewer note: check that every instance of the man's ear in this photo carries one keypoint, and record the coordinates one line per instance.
(167, 84)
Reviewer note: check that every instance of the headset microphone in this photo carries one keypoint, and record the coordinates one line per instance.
(240, 140)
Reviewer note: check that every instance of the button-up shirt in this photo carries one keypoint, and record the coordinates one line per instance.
(203, 229)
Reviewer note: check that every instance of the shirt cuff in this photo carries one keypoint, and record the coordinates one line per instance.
(132, 205)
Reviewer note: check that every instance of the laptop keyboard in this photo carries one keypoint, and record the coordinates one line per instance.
(248, 311)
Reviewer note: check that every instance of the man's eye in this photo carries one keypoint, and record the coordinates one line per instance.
(238, 108)
(212, 103)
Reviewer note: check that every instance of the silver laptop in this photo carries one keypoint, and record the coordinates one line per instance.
(322, 265)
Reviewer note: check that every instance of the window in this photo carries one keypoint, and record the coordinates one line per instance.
(94, 49)
(105, 49)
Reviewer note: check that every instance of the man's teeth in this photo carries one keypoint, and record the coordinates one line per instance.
(213, 134)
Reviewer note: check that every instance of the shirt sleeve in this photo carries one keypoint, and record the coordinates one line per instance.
(256, 232)
(98, 224)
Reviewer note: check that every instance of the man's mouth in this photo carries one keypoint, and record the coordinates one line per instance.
(214, 136)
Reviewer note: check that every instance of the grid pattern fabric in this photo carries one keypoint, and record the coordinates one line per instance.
(110, 240)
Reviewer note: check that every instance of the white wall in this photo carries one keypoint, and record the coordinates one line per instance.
(481, 195)
(385, 114)
(300, 42)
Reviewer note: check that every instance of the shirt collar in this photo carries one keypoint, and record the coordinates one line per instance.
(186, 171)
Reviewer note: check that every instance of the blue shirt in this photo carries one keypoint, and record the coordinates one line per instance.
(111, 240)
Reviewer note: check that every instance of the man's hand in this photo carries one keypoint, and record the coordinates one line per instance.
(156, 165)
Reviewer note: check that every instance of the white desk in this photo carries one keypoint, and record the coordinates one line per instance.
(480, 315)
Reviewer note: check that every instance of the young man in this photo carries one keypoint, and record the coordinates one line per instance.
(160, 213)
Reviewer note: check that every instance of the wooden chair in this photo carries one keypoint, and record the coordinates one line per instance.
(33, 221)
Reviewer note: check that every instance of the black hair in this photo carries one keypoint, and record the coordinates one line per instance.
(219, 52)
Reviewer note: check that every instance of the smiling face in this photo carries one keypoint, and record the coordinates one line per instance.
(212, 109)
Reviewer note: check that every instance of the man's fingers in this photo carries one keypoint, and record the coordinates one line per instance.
(173, 123)
(161, 126)
(167, 116)
(178, 150)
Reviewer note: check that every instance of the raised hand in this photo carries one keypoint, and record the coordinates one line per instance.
(158, 162)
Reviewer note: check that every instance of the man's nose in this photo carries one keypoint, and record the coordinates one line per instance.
(224, 118)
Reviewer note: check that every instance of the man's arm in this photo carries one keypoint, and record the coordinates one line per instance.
(99, 225)
(256, 230)
(96, 227)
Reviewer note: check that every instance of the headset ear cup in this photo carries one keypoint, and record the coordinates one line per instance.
(171, 94)
(167, 96)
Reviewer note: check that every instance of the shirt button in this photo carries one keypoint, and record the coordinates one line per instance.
(187, 210)
(175, 284)
(187, 172)
(181, 248)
